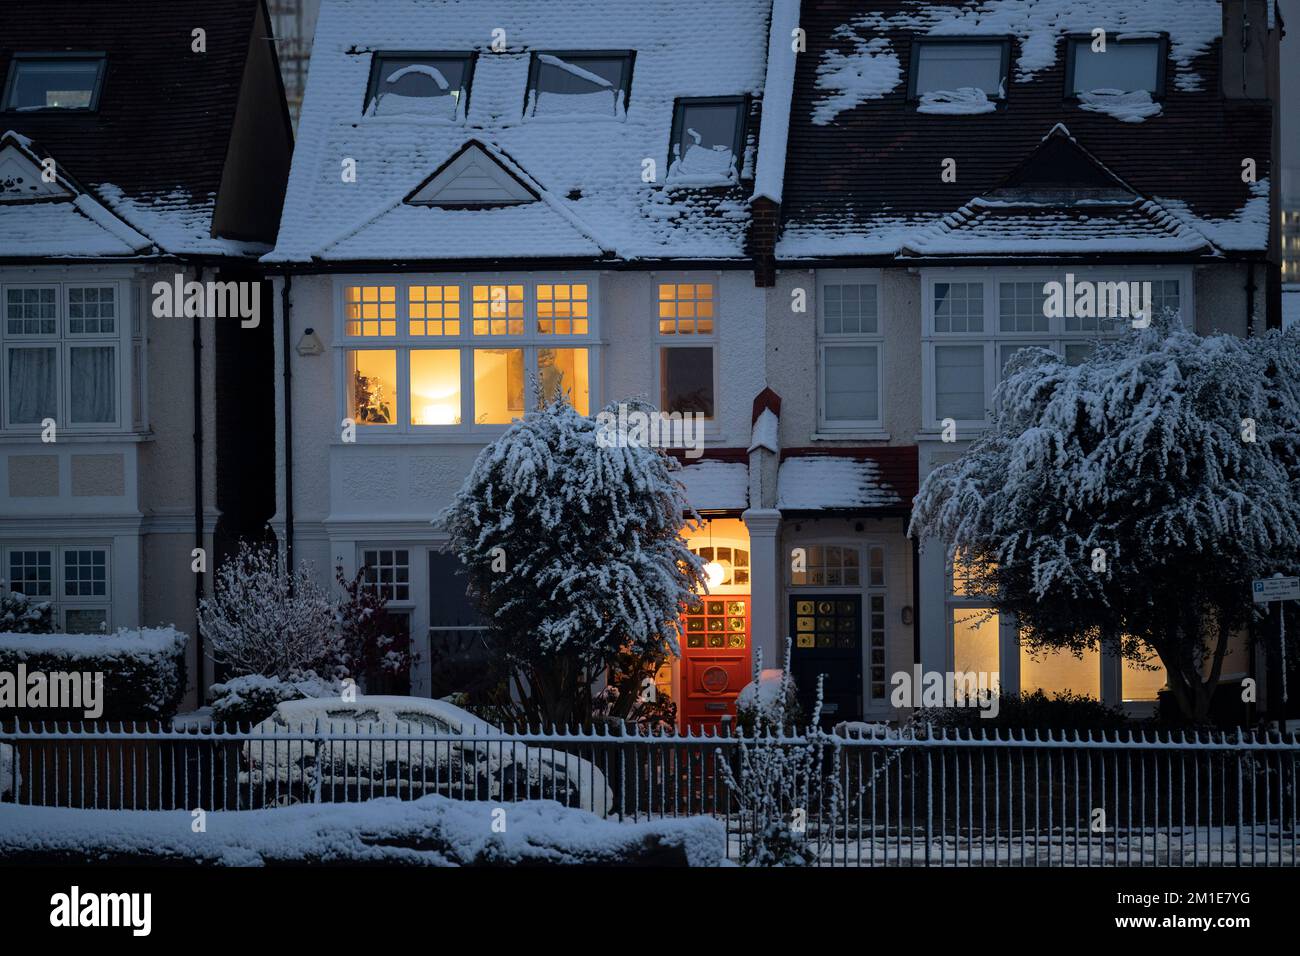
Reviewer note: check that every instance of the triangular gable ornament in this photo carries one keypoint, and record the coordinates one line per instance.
(473, 178)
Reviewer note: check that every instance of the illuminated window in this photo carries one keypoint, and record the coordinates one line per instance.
(975, 641)
(370, 310)
(434, 309)
(1140, 682)
(733, 561)
(828, 565)
(1058, 671)
(372, 392)
(562, 309)
(686, 308)
(435, 386)
(498, 386)
(565, 372)
(498, 310)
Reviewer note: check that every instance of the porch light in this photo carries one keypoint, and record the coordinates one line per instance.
(715, 573)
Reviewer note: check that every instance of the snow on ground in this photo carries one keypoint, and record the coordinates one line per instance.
(431, 831)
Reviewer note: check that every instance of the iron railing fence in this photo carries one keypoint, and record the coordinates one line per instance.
(911, 796)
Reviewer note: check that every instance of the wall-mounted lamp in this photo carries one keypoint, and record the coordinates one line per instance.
(310, 343)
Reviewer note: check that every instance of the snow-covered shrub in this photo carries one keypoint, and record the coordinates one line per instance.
(264, 619)
(571, 538)
(19, 614)
(1031, 711)
(1130, 500)
(782, 784)
(369, 646)
(144, 670)
(770, 700)
(10, 779)
(252, 697)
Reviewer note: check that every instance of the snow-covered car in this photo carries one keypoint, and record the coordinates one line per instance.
(405, 747)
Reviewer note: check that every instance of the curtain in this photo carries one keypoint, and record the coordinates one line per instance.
(94, 384)
(32, 385)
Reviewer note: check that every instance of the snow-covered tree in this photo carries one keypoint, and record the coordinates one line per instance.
(1130, 500)
(19, 614)
(264, 619)
(782, 784)
(573, 551)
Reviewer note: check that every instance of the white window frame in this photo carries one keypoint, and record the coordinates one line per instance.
(59, 602)
(63, 341)
(711, 340)
(395, 604)
(861, 427)
(992, 338)
(403, 343)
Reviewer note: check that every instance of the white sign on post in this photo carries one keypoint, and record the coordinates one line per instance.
(1263, 590)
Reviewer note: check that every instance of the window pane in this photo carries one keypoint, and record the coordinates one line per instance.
(686, 308)
(1124, 66)
(434, 309)
(93, 379)
(562, 309)
(33, 385)
(370, 309)
(63, 84)
(430, 86)
(705, 150)
(1059, 671)
(81, 620)
(31, 572)
(974, 641)
(959, 307)
(1076, 353)
(498, 385)
(373, 392)
(91, 311)
(687, 377)
(31, 311)
(1138, 683)
(959, 382)
(852, 383)
(1164, 297)
(388, 572)
(1006, 351)
(435, 387)
(849, 309)
(498, 310)
(578, 84)
(1020, 307)
(565, 371)
(954, 66)
(85, 572)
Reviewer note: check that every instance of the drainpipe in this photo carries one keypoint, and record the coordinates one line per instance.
(197, 376)
(288, 426)
(1250, 298)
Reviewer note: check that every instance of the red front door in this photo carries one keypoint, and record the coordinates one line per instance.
(715, 659)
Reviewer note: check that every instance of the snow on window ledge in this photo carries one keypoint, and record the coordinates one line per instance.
(1131, 107)
(966, 101)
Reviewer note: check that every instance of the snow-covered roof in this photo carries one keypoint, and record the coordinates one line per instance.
(587, 169)
(777, 92)
(824, 482)
(716, 485)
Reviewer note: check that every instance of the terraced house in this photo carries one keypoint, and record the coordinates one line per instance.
(140, 145)
(825, 235)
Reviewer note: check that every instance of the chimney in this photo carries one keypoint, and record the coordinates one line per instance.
(1244, 66)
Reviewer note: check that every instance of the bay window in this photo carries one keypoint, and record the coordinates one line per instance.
(849, 352)
(975, 321)
(73, 578)
(62, 354)
(443, 356)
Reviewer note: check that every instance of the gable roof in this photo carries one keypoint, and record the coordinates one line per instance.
(155, 149)
(863, 174)
(586, 170)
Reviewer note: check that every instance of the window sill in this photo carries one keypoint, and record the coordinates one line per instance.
(62, 437)
(484, 436)
(851, 435)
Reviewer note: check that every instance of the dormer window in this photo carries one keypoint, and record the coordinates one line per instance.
(707, 140)
(52, 81)
(959, 75)
(434, 85)
(1123, 64)
(593, 84)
